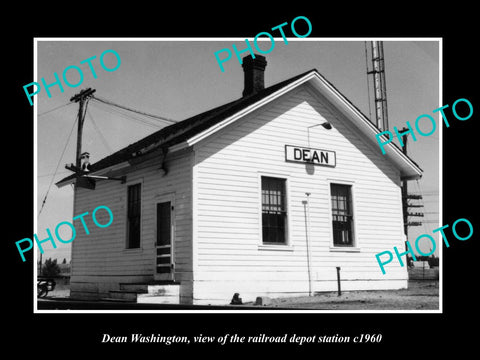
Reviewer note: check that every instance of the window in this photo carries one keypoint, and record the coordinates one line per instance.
(342, 215)
(274, 211)
(133, 216)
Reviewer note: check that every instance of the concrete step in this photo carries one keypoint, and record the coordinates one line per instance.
(123, 295)
(158, 292)
(140, 288)
(158, 299)
(109, 299)
(164, 290)
(146, 287)
(161, 294)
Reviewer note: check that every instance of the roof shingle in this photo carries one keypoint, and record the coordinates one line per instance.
(183, 130)
(178, 132)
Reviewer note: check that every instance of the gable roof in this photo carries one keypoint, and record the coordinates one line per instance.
(202, 124)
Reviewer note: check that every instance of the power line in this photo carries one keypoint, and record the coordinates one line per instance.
(119, 112)
(60, 172)
(133, 110)
(58, 164)
(132, 116)
(58, 107)
(122, 113)
(102, 138)
(135, 115)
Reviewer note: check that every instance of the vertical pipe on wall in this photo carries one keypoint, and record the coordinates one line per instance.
(306, 206)
(338, 281)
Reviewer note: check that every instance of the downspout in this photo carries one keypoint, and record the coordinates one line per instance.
(306, 205)
(164, 166)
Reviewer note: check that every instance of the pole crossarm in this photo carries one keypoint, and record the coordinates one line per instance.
(82, 95)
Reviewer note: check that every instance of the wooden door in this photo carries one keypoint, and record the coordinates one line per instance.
(164, 247)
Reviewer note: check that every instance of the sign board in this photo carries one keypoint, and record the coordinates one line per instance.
(310, 156)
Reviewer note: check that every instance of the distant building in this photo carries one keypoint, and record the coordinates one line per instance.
(263, 196)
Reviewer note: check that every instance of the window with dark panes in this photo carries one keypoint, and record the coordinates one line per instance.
(133, 216)
(274, 211)
(342, 215)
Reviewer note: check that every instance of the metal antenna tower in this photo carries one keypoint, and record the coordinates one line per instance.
(379, 84)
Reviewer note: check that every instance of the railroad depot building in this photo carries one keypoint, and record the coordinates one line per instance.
(263, 196)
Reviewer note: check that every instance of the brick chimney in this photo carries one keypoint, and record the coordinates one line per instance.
(254, 70)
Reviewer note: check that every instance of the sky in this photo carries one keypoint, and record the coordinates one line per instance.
(178, 79)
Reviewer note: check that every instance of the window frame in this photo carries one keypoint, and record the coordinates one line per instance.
(127, 223)
(354, 247)
(270, 245)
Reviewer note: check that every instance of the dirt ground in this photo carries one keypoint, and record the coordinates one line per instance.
(420, 295)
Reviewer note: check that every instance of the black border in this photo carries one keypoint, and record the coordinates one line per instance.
(406, 334)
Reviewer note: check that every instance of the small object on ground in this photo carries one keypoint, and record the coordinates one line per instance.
(236, 300)
(263, 300)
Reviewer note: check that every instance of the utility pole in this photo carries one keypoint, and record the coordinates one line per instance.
(83, 180)
(406, 196)
(82, 98)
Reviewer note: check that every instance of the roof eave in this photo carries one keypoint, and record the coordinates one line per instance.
(104, 171)
(213, 129)
(408, 169)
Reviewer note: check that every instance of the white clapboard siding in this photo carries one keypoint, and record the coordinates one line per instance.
(228, 219)
(102, 257)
